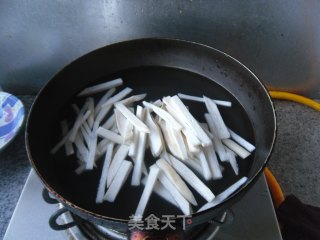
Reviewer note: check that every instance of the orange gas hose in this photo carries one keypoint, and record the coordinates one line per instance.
(274, 187)
(295, 98)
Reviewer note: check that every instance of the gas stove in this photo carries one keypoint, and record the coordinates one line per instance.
(254, 218)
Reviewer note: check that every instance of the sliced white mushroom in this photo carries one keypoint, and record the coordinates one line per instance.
(164, 115)
(112, 136)
(191, 140)
(144, 168)
(110, 122)
(102, 145)
(118, 181)
(104, 173)
(205, 166)
(101, 87)
(155, 136)
(176, 180)
(92, 150)
(200, 99)
(214, 112)
(240, 151)
(195, 165)
(181, 201)
(80, 169)
(132, 99)
(166, 156)
(116, 162)
(103, 99)
(91, 109)
(183, 113)
(101, 115)
(128, 132)
(86, 127)
(244, 143)
(161, 191)
(80, 157)
(174, 140)
(60, 143)
(179, 143)
(77, 125)
(67, 136)
(213, 162)
(166, 135)
(124, 126)
(151, 181)
(224, 195)
(85, 134)
(68, 145)
(136, 122)
(115, 129)
(233, 161)
(157, 103)
(167, 105)
(134, 143)
(218, 146)
(81, 147)
(137, 171)
(206, 129)
(190, 97)
(192, 179)
(116, 98)
(120, 121)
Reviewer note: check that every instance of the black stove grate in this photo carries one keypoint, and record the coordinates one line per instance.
(94, 232)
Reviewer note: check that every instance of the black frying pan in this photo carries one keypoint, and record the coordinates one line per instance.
(158, 67)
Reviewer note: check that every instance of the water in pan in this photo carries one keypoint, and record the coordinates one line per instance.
(156, 82)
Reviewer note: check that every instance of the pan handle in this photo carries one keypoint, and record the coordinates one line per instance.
(226, 219)
(56, 226)
(47, 198)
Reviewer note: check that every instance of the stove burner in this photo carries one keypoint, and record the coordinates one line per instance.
(95, 232)
(80, 229)
(90, 231)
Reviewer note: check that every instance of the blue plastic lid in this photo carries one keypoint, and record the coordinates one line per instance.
(11, 118)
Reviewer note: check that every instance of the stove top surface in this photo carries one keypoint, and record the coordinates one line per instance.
(254, 216)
